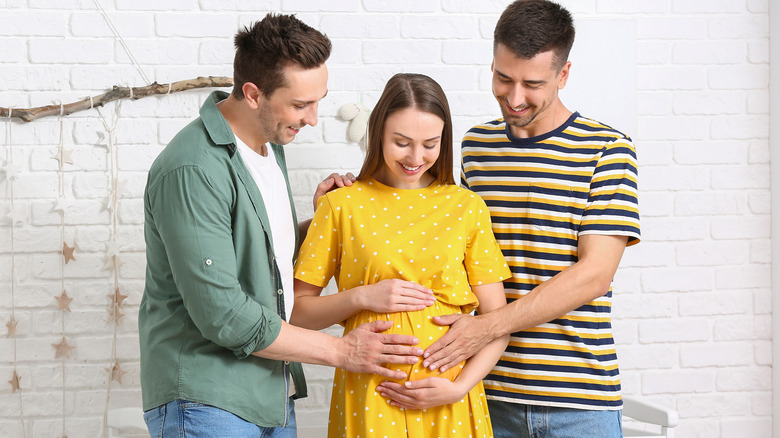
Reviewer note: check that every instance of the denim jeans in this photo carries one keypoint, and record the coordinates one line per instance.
(184, 419)
(512, 420)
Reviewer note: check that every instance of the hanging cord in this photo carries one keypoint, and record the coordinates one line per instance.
(122, 42)
(14, 278)
(113, 202)
(62, 260)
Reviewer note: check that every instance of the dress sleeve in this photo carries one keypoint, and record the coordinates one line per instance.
(484, 261)
(613, 207)
(320, 253)
(191, 214)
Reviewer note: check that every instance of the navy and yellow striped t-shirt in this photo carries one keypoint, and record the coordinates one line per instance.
(543, 193)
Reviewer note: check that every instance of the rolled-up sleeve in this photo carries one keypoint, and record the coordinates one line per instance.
(192, 216)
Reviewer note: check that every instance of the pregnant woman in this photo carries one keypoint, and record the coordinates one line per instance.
(405, 244)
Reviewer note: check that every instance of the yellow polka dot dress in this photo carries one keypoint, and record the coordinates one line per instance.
(439, 237)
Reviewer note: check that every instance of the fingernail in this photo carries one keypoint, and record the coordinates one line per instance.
(433, 367)
(426, 363)
(407, 384)
(426, 355)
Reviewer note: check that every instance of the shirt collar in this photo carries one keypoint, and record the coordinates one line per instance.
(217, 127)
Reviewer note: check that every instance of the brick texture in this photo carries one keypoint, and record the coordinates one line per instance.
(692, 301)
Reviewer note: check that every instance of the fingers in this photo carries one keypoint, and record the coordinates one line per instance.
(380, 326)
(341, 180)
(390, 374)
(447, 319)
(401, 354)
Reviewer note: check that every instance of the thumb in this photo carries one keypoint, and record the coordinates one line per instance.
(378, 326)
(447, 319)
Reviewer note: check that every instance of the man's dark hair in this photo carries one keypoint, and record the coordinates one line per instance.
(266, 47)
(530, 27)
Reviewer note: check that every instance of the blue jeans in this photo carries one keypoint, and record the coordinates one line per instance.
(184, 419)
(512, 420)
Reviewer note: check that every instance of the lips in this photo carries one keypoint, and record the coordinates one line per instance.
(409, 169)
(517, 111)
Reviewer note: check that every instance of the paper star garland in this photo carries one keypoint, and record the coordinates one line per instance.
(63, 204)
(109, 205)
(12, 170)
(113, 262)
(112, 248)
(114, 314)
(18, 213)
(63, 301)
(11, 327)
(62, 349)
(101, 137)
(63, 156)
(116, 372)
(67, 252)
(117, 298)
(15, 383)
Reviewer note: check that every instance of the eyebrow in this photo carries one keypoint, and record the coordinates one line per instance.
(532, 82)
(410, 138)
(306, 102)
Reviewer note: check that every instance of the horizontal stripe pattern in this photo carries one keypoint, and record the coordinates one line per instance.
(543, 193)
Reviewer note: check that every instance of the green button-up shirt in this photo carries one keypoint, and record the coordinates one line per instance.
(213, 293)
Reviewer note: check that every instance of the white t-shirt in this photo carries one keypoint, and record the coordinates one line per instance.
(270, 180)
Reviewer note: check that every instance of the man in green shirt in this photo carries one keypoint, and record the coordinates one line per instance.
(217, 357)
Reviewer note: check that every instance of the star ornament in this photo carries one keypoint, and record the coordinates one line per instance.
(62, 349)
(63, 204)
(63, 156)
(112, 248)
(12, 170)
(18, 213)
(113, 262)
(15, 383)
(67, 252)
(63, 301)
(116, 372)
(117, 298)
(114, 314)
(11, 327)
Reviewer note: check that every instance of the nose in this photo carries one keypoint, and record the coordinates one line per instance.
(516, 97)
(310, 117)
(416, 154)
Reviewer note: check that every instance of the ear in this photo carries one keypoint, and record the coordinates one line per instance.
(252, 95)
(563, 75)
(493, 65)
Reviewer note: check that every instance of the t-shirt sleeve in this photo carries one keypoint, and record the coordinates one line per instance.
(484, 261)
(319, 255)
(613, 207)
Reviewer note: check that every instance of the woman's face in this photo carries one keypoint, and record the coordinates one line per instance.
(411, 143)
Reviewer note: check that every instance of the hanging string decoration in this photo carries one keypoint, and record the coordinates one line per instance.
(63, 349)
(16, 214)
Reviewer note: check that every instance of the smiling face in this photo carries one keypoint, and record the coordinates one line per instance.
(292, 106)
(411, 143)
(527, 91)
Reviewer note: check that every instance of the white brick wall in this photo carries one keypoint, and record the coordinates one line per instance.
(692, 301)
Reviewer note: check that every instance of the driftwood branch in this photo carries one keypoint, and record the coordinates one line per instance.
(116, 93)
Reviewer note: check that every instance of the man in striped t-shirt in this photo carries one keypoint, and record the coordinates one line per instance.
(562, 191)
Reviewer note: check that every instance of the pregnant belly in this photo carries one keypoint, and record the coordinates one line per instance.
(418, 324)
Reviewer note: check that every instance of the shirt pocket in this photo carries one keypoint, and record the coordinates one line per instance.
(549, 206)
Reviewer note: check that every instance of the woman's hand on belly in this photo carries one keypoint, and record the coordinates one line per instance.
(422, 394)
(394, 295)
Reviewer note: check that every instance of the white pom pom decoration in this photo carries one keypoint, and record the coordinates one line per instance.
(357, 115)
